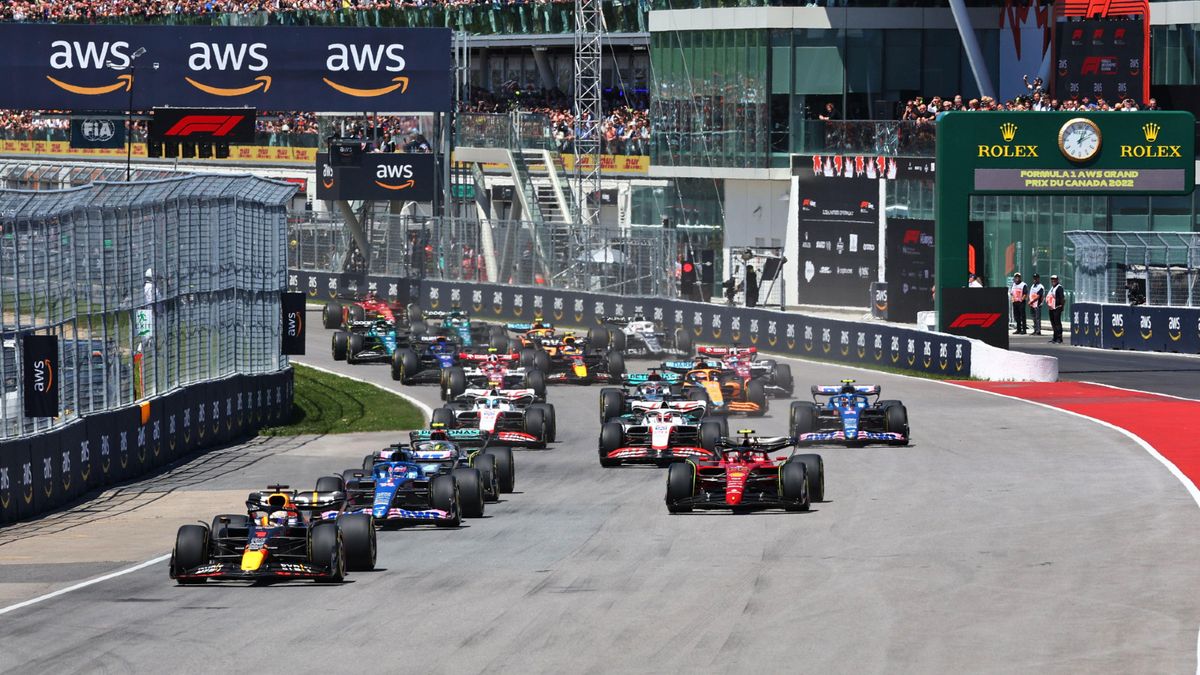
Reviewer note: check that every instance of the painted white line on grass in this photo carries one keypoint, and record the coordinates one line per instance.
(425, 410)
(85, 584)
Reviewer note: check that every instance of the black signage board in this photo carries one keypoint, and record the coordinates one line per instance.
(1100, 58)
(39, 365)
(909, 271)
(292, 335)
(839, 239)
(215, 126)
(98, 132)
(979, 313)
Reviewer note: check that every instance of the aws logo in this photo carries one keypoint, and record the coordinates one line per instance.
(1174, 328)
(345, 58)
(70, 56)
(206, 57)
(43, 376)
(1118, 325)
(327, 175)
(295, 324)
(394, 176)
(1145, 326)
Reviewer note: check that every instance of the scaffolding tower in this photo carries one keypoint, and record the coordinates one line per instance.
(589, 27)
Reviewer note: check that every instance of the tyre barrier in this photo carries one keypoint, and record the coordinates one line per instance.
(43, 472)
(774, 331)
(1140, 328)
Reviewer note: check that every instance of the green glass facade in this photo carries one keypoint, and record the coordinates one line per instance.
(1173, 54)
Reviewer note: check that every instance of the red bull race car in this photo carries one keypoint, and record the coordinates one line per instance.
(652, 434)
(848, 415)
(285, 534)
(745, 477)
(512, 416)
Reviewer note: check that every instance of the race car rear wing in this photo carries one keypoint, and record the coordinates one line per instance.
(677, 366)
(726, 351)
(480, 358)
(763, 443)
(442, 314)
(464, 436)
(521, 327)
(831, 389)
(667, 377)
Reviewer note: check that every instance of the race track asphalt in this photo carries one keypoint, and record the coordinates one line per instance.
(1007, 538)
(1159, 372)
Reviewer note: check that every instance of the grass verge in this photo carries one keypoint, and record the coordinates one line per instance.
(331, 404)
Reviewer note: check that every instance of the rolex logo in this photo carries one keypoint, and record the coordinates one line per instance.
(1150, 131)
(1009, 131)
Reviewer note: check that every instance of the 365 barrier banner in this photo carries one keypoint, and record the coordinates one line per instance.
(292, 306)
(40, 370)
(1137, 327)
(99, 67)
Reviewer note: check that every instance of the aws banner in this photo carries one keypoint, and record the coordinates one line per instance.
(40, 368)
(81, 67)
(384, 176)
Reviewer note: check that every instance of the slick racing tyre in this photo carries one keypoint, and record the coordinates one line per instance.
(486, 464)
(612, 436)
(331, 315)
(191, 551)
(681, 484)
(683, 341)
(443, 495)
(354, 345)
(793, 486)
(535, 425)
(536, 380)
(814, 469)
(443, 416)
(612, 403)
(710, 435)
(405, 365)
(456, 383)
(358, 538)
(896, 420)
(616, 339)
(616, 364)
(756, 393)
(355, 313)
(506, 467)
(339, 345)
(325, 549)
(549, 419)
(783, 379)
(330, 484)
(803, 418)
(597, 337)
(470, 491)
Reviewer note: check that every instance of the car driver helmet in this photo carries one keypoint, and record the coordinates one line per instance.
(278, 518)
(652, 391)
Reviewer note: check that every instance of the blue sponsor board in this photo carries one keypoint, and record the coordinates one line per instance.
(89, 67)
(1138, 327)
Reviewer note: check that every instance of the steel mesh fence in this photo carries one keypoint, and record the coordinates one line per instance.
(1139, 268)
(148, 285)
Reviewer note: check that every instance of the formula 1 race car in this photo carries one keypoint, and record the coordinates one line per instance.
(849, 416)
(456, 324)
(746, 477)
(285, 534)
(636, 336)
(363, 341)
(491, 371)
(659, 435)
(654, 387)
(425, 359)
(513, 416)
(776, 377)
(726, 391)
(571, 359)
(370, 307)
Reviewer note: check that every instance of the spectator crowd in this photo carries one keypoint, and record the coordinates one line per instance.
(1036, 98)
(85, 10)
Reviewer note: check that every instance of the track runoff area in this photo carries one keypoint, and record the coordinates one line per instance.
(1007, 537)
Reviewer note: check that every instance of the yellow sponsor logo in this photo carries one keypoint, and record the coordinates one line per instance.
(123, 81)
(401, 84)
(261, 82)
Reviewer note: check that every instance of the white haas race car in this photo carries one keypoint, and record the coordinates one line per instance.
(512, 416)
(660, 433)
(638, 336)
(491, 371)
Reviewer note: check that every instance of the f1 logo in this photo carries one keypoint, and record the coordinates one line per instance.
(981, 319)
(217, 125)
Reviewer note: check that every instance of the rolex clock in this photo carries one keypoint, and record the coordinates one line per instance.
(1079, 139)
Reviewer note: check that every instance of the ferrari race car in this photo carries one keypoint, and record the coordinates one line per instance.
(425, 359)
(491, 371)
(726, 391)
(512, 416)
(456, 324)
(370, 307)
(659, 435)
(776, 377)
(370, 340)
(848, 415)
(285, 534)
(636, 336)
(745, 476)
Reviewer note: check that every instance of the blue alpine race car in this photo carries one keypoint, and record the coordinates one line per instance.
(849, 415)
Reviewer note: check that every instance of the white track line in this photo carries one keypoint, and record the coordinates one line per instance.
(1187, 483)
(85, 584)
(1139, 391)
(428, 412)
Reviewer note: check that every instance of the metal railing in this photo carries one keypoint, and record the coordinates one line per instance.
(866, 137)
(623, 261)
(148, 285)
(1142, 268)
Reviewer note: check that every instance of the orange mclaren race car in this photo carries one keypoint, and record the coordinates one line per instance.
(726, 392)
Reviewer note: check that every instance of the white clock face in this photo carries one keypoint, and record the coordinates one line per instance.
(1079, 140)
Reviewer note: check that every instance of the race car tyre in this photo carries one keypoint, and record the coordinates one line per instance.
(598, 337)
(443, 495)
(681, 484)
(783, 378)
(612, 403)
(456, 383)
(325, 548)
(358, 538)
(331, 315)
(710, 435)
(793, 486)
(498, 341)
(417, 327)
(721, 420)
(697, 394)
(896, 420)
(536, 380)
(612, 436)
(237, 521)
(413, 311)
(355, 313)
(802, 418)
(354, 345)
(470, 491)
(513, 346)
(486, 464)
(506, 467)
(814, 468)
(535, 425)
(330, 484)
(405, 364)
(616, 339)
(616, 364)
(442, 416)
(550, 418)
(369, 462)
(683, 341)
(191, 551)
(756, 393)
(339, 345)
(528, 354)
(497, 332)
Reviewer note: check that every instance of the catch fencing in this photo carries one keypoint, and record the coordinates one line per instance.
(149, 286)
(1136, 268)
